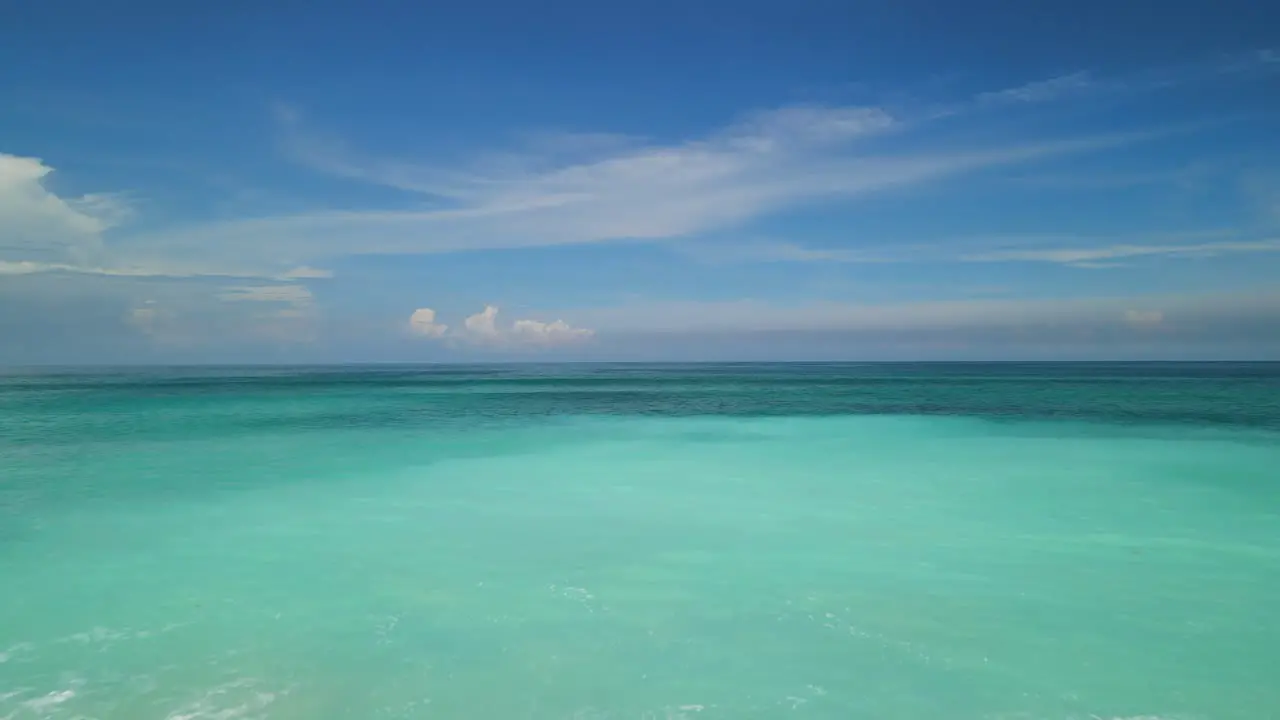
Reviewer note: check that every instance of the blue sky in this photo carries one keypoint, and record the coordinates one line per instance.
(318, 182)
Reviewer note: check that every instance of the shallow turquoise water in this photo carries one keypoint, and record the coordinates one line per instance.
(759, 541)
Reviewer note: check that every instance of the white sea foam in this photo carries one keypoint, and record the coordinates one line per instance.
(48, 701)
(16, 650)
(234, 700)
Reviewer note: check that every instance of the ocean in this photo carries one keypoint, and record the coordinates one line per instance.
(649, 542)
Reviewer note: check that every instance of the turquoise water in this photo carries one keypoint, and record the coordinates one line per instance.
(917, 542)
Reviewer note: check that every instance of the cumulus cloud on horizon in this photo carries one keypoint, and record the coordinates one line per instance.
(483, 329)
(423, 323)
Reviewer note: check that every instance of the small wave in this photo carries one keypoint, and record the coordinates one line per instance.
(236, 699)
(48, 701)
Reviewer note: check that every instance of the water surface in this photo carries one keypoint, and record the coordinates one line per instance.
(681, 541)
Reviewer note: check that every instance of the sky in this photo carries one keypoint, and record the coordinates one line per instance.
(314, 182)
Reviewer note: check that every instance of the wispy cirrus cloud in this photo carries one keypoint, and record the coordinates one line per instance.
(766, 164)
(599, 187)
(1086, 83)
(155, 270)
(560, 189)
(1079, 251)
(1092, 255)
(1056, 88)
(752, 250)
(294, 295)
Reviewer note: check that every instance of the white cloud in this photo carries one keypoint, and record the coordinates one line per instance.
(295, 295)
(564, 189)
(483, 324)
(775, 251)
(561, 189)
(30, 267)
(483, 329)
(750, 316)
(43, 232)
(1077, 251)
(199, 316)
(557, 332)
(1097, 256)
(304, 272)
(40, 226)
(1042, 90)
(144, 317)
(766, 163)
(1085, 83)
(1143, 318)
(423, 322)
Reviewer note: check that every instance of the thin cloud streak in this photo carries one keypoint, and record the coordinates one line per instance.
(28, 267)
(1056, 88)
(766, 251)
(1087, 251)
(1078, 256)
(1084, 83)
